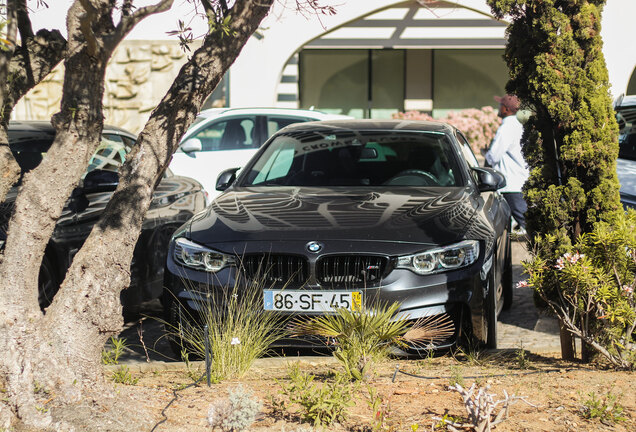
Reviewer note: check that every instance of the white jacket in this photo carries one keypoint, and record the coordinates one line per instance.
(505, 154)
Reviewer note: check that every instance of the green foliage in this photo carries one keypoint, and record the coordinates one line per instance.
(240, 331)
(596, 287)
(558, 71)
(380, 408)
(236, 413)
(111, 356)
(523, 362)
(606, 409)
(447, 419)
(122, 375)
(321, 404)
(363, 337)
(456, 376)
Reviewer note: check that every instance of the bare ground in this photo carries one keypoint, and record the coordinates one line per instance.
(558, 390)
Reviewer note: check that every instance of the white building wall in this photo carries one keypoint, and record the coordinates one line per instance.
(255, 75)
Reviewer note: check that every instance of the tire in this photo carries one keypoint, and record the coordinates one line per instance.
(174, 319)
(491, 309)
(506, 280)
(48, 282)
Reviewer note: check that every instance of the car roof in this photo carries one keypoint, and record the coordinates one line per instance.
(45, 127)
(372, 124)
(223, 112)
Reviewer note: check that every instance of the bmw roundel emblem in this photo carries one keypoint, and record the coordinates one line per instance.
(314, 247)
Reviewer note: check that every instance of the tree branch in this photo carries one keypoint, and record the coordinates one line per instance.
(86, 19)
(24, 22)
(129, 21)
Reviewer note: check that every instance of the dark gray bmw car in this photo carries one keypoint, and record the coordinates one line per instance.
(342, 213)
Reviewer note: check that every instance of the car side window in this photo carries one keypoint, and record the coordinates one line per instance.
(467, 152)
(276, 166)
(230, 134)
(274, 124)
(110, 155)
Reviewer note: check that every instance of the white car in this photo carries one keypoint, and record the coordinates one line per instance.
(226, 138)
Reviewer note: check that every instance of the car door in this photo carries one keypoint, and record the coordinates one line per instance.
(225, 143)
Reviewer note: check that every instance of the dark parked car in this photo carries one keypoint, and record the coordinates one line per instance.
(176, 199)
(625, 107)
(336, 213)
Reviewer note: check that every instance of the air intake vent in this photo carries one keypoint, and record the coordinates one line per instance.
(351, 270)
(275, 270)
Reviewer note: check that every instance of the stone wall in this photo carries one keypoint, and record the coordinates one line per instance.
(137, 78)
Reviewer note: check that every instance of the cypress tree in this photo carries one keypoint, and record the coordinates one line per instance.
(557, 69)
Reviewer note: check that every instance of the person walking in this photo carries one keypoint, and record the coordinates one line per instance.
(505, 156)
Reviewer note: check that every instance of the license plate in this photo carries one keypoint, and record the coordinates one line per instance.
(311, 301)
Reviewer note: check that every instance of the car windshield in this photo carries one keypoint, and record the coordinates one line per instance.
(626, 118)
(30, 150)
(356, 158)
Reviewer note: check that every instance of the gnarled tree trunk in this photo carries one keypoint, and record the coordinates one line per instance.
(21, 68)
(33, 354)
(62, 349)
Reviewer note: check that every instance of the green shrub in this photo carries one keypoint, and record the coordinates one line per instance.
(596, 281)
(111, 356)
(320, 404)
(240, 331)
(606, 409)
(364, 337)
(122, 375)
(554, 56)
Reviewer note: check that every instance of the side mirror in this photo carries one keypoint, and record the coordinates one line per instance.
(191, 145)
(489, 179)
(100, 181)
(226, 178)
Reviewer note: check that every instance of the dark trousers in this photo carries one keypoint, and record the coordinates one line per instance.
(517, 206)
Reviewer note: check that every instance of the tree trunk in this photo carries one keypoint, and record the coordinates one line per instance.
(62, 349)
(33, 354)
(29, 65)
(567, 342)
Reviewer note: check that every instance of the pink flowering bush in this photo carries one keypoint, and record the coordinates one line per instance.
(596, 282)
(479, 125)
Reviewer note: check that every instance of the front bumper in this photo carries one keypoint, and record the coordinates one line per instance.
(458, 295)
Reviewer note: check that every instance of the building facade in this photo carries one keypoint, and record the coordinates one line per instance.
(371, 59)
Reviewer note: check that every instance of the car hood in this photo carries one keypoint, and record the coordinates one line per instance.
(413, 215)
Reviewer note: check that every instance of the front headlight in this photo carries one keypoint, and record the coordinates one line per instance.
(442, 259)
(190, 254)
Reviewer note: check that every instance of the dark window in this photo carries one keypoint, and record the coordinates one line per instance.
(626, 118)
(231, 134)
(274, 124)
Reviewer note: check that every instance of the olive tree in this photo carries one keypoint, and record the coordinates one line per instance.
(60, 350)
(557, 69)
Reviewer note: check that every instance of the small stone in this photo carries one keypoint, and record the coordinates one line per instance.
(435, 391)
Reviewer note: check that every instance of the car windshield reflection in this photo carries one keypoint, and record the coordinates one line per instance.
(332, 158)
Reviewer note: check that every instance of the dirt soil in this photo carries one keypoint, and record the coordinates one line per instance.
(557, 390)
